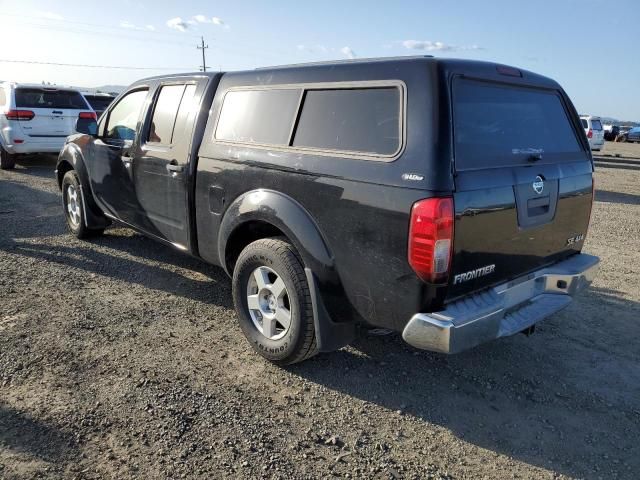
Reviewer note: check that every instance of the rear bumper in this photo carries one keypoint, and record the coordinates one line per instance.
(48, 146)
(503, 310)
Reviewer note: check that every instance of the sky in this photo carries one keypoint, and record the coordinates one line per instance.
(589, 46)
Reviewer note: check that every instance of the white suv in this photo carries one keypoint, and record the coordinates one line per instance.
(594, 131)
(37, 119)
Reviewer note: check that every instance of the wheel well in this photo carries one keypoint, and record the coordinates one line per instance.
(63, 167)
(243, 235)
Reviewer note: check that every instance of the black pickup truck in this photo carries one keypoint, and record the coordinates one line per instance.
(444, 199)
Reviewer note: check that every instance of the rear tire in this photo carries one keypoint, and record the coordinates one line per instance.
(73, 204)
(273, 301)
(7, 160)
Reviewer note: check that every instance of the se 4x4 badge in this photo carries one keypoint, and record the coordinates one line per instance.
(574, 240)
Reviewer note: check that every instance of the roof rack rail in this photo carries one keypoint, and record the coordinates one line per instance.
(348, 60)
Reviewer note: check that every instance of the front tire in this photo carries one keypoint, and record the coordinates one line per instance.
(273, 301)
(7, 160)
(73, 204)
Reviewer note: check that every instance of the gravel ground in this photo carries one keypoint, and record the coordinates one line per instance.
(120, 358)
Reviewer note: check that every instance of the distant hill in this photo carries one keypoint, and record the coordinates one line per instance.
(103, 89)
(111, 88)
(615, 121)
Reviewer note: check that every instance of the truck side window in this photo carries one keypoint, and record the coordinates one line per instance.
(258, 116)
(182, 127)
(164, 114)
(123, 119)
(363, 120)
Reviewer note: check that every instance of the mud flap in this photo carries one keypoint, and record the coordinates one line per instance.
(330, 335)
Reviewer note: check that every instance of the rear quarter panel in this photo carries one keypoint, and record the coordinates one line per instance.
(361, 207)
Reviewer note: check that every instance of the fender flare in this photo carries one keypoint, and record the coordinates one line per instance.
(284, 213)
(71, 157)
(297, 224)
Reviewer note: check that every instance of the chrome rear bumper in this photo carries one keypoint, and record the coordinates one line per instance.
(502, 310)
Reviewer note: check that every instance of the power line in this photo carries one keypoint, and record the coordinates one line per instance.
(64, 23)
(130, 34)
(116, 67)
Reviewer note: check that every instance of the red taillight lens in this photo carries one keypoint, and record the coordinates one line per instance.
(88, 115)
(20, 115)
(590, 134)
(431, 238)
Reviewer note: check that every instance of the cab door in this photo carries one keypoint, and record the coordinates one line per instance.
(160, 168)
(110, 160)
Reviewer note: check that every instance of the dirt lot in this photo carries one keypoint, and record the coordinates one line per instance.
(122, 359)
(628, 150)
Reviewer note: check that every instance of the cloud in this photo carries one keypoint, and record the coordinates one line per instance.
(348, 52)
(131, 26)
(178, 24)
(51, 15)
(426, 45)
(181, 25)
(430, 46)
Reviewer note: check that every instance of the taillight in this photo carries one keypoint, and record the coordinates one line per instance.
(88, 115)
(431, 238)
(20, 115)
(590, 134)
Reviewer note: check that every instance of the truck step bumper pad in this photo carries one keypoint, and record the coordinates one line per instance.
(503, 310)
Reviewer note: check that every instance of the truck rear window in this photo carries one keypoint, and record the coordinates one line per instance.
(49, 98)
(499, 125)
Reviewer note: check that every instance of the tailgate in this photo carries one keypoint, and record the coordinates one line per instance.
(55, 112)
(523, 183)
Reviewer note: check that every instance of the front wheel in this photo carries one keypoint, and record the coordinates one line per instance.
(73, 204)
(273, 301)
(7, 160)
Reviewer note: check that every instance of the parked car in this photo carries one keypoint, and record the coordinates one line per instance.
(37, 119)
(611, 132)
(594, 131)
(99, 101)
(352, 193)
(633, 135)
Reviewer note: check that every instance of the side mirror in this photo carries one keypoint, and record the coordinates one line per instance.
(88, 126)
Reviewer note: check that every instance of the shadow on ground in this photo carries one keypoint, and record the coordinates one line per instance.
(617, 197)
(22, 434)
(42, 166)
(517, 396)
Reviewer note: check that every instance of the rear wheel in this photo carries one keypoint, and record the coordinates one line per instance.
(273, 301)
(7, 160)
(73, 204)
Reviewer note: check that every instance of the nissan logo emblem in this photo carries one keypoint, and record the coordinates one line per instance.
(538, 185)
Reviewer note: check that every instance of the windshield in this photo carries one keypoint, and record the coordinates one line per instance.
(502, 125)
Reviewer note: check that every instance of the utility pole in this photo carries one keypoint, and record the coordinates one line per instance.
(203, 47)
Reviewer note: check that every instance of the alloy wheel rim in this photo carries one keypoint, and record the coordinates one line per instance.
(268, 303)
(73, 205)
